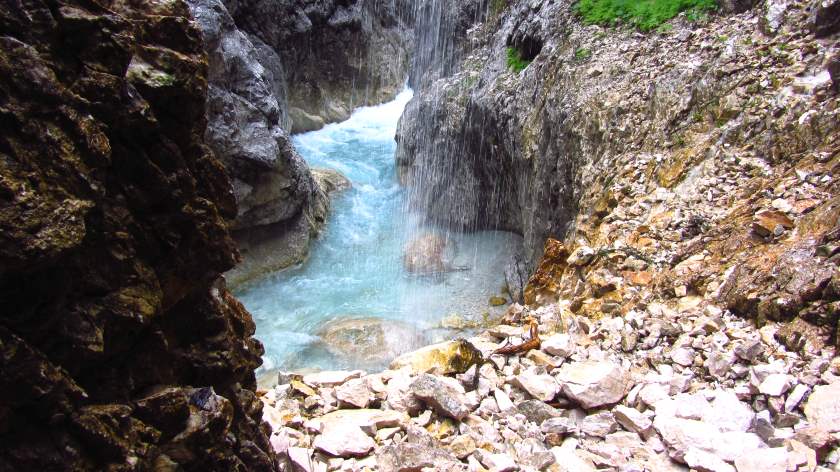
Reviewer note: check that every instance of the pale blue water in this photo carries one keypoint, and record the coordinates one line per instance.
(355, 268)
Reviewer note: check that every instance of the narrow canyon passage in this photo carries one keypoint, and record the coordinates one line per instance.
(353, 304)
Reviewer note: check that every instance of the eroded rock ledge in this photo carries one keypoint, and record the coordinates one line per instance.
(120, 348)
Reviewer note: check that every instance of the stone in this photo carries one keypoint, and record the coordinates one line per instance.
(775, 385)
(355, 392)
(330, 378)
(343, 440)
(703, 461)
(728, 413)
(441, 359)
(822, 408)
(301, 459)
(560, 425)
(502, 400)
(765, 222)
(367, 419)
(369, 341)
(581, 256)
(567, 461)
(399, 396)
(537, 411)
(599, 424)
(683, 434)
(441, 396)
(683, 356)
(427, 254)
(410, 457)
(540, 386)
(534, 454)
(594, 383)
(559, 344)
(633, 420)
(767, 460)
(462, 446)
(496, 462)
(719, 364)
(796, 396)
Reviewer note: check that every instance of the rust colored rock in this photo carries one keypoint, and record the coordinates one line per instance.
(771, 223)
(545, 280)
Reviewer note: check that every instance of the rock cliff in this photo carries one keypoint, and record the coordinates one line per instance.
(697, 160)
(339, 55)
(120, 347)
(280, 67)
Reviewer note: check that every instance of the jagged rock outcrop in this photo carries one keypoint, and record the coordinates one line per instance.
(120, 347)
(280, 207)
(288, 66)
(698, 160)
(340, 55)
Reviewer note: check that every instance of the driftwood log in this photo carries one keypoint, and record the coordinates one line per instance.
(532, 343)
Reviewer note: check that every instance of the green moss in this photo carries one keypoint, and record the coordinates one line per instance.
(515, 61)
(497, 6)
(643, 14)
(582, 54)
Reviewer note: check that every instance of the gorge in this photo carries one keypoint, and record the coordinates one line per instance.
(654, 209)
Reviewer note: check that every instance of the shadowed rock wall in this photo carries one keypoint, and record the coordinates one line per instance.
(120, 348)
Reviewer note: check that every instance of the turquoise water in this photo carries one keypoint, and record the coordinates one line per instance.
(355, 268)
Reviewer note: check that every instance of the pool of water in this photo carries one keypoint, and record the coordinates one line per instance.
(355, 269)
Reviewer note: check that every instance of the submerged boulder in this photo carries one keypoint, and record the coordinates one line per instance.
(427, 254)
(369, 340)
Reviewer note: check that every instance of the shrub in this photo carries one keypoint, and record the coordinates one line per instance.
(644, 14)
(515, 61)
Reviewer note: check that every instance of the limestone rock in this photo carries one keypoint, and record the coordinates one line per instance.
(440, 395)
(441, 359)
(594, 383)
(540, 386)
(558, 345)
(822, 408)
(407, 457)
(343, 440)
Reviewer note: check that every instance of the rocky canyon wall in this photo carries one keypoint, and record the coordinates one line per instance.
(281, 67)
(120, 347)
(698, 159)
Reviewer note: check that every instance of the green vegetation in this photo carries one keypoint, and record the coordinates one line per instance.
(643, 14)
(515, 61)
(582, 54)
(497, 6)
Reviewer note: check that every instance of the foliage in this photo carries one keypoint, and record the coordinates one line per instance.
(583, 54)
(644, 14)
(515, 60)
(497, 6)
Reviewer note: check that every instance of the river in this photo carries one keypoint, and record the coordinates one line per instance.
(355, 269)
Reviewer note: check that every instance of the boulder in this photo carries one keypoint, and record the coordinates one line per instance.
(409, 457)
(449, 357)
(540, 386)
(343, 440)
(682, 434)
(440, 395)
(823, 408)
(594, 383)
(369, 341)
(356, 393)
(427, 254)
(825, 17)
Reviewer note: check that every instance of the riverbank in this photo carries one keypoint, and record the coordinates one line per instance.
(662, 388)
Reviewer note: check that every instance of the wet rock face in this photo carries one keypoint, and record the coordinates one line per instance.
(247, 121)
(119, 349)
(339, 54)
(690, 165)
